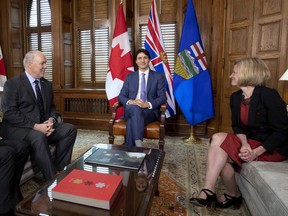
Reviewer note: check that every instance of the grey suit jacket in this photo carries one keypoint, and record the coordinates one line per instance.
(20, 110)
(156, 93)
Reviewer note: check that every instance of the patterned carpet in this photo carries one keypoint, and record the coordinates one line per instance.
(182, 175)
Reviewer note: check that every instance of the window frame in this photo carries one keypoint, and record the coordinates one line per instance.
(97, 71)
(40, 31)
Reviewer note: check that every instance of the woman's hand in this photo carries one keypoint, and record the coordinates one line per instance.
(248, 155)
(245, 147)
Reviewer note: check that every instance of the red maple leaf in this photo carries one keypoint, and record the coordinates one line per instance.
(119, 65)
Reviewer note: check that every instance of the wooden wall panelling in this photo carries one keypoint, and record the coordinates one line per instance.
(16, 39)
(4, 36)
(141, 11)
(11, 36)
(270, 37)
(237, 44)
(62, 32)
(216, 60)
(67, 14)
(57, 46)
(83, 10)
(166, 10)
(254, 28)
(82, 19)
(86, 109)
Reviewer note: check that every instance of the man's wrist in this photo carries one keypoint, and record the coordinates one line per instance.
(35, 126)
(53, 120)
(149, 105)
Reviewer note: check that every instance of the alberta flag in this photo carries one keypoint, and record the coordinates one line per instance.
(159, 62)
(3, 77)
(192, 84)
(120, 62)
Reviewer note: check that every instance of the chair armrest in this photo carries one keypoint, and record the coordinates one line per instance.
(163, 110)
(59, 117)
(115, 106)
(1, 119)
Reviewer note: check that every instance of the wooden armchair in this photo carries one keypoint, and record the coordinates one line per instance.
(154, 130)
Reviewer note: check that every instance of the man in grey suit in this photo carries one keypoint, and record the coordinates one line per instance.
(142, 95)
(30, 115)
(13, 156)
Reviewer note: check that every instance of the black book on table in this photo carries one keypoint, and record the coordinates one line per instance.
(116, 158)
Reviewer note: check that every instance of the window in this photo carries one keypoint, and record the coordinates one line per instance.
(99, 60)
(93, 43)
(38, 30)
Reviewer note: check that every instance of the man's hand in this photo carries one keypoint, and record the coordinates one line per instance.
(46, 128)
(139, 103)
(50, 120)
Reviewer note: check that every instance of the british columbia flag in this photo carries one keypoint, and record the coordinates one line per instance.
(159, 61)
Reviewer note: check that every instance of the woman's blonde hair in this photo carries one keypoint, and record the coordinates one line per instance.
(252, 72)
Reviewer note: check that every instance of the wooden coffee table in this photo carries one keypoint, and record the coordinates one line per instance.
(135, 198)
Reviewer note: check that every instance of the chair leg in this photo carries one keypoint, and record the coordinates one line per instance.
(161, 144)
(111, 139)
(157, 192)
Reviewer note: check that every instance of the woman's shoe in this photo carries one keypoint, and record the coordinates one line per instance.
(210, 200)
(229, 201)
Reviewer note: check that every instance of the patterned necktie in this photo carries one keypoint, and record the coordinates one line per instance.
(39, 101)
(143, 94)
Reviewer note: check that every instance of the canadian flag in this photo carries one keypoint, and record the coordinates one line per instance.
(120, 62)
(3, 77)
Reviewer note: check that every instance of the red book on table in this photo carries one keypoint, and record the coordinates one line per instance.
(88, 188)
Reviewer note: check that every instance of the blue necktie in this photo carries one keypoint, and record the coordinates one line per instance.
(143, 94)
(39, 101)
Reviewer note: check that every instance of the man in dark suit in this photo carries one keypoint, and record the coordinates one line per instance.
(13, 155)
(142, 95)
(30, 115)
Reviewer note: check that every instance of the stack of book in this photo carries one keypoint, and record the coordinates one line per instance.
(116, 159)
(88, 188)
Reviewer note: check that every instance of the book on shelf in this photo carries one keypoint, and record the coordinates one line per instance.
(116, 158)
(88, 188)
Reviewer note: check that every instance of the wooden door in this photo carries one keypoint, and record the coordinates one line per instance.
(253, 28)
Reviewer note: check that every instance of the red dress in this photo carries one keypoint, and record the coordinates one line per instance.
(232, 144)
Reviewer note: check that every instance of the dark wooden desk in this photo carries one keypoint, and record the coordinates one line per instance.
(131, 200)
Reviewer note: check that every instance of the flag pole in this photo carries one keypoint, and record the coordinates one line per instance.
(192, 139)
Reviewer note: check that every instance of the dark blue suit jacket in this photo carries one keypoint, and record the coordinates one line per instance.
(156, 93)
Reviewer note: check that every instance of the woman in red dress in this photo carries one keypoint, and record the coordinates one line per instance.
(260, 126)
